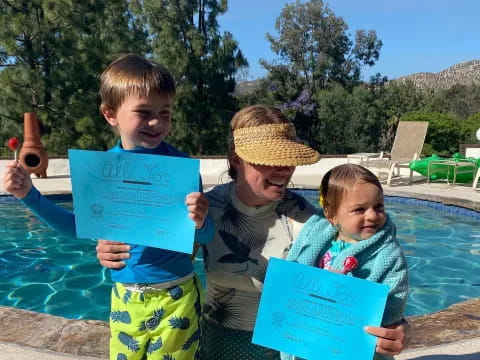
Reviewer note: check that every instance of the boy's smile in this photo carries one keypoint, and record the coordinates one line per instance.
(142, 121)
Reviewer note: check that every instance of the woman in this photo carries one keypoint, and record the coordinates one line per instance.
(256, 217)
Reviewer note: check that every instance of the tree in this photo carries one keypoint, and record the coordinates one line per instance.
(186, 39)
(332, 131)
(348, 122)
(52, 53)
(314, 47)
(468, 129)
(315, 54)
(395, 99)
(461, 100)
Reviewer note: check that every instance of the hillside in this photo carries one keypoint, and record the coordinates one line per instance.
(464, 73)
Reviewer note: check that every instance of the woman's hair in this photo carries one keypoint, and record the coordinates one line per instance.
(254, 115)
(133, 75)
(338, 181)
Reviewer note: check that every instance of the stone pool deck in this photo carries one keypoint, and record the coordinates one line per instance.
(451, 334)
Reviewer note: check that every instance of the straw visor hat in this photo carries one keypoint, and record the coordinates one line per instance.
(272, 145)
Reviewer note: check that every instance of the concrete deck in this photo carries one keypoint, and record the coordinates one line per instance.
(452, 334)
(10, 351)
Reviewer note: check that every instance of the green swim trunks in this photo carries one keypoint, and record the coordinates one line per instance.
(156, 324)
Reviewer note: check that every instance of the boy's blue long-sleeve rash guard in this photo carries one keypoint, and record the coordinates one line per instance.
(146, 264)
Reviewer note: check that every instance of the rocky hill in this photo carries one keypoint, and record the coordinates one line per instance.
(464, 73)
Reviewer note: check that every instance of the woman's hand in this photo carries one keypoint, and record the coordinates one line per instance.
(197, 205)
(111, 253)
(393, 339)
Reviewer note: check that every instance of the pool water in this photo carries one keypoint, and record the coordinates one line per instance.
(45, 272)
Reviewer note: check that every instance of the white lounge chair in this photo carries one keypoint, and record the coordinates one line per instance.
(475, 180)
(407, 146)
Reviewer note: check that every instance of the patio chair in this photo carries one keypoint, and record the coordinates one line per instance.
(475, 180)
(407, 146)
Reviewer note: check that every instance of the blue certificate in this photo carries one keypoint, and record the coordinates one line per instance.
(136, 198)
(317, 314)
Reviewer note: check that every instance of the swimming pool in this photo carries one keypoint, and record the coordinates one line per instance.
(45, 272)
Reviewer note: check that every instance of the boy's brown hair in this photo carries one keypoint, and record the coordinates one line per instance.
(338, 181)
(133, 75)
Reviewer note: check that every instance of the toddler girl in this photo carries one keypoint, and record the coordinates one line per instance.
(353, 235)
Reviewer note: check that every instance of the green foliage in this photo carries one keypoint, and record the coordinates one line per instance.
(468, 129)
(461, 100)
(339, 121)
(394, 99)
(53, 53)
(186, 39)
(314, 78)
(315, 50)
(443, 134)
(316, 82)
(402, 97)
(348, 122)
(333, 129)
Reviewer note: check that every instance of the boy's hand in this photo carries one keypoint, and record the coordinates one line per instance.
(111, 253)
(17, 180)
(391, 340)
(197, 205)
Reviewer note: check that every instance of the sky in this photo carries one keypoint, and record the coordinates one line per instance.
(417, 35)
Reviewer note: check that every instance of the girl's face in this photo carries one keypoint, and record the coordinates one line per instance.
(142, 121)
(259, 185)
(360, 214)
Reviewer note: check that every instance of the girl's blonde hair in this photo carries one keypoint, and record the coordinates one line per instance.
(249, 116)
(338, 181)
(133, 75)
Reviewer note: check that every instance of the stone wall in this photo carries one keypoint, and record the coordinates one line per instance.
(90, 337)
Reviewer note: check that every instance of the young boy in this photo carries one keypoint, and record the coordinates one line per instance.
(156, 298)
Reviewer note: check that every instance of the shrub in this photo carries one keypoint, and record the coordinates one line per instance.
(443, 134)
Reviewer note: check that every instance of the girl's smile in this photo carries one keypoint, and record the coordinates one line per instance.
(361, 213)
